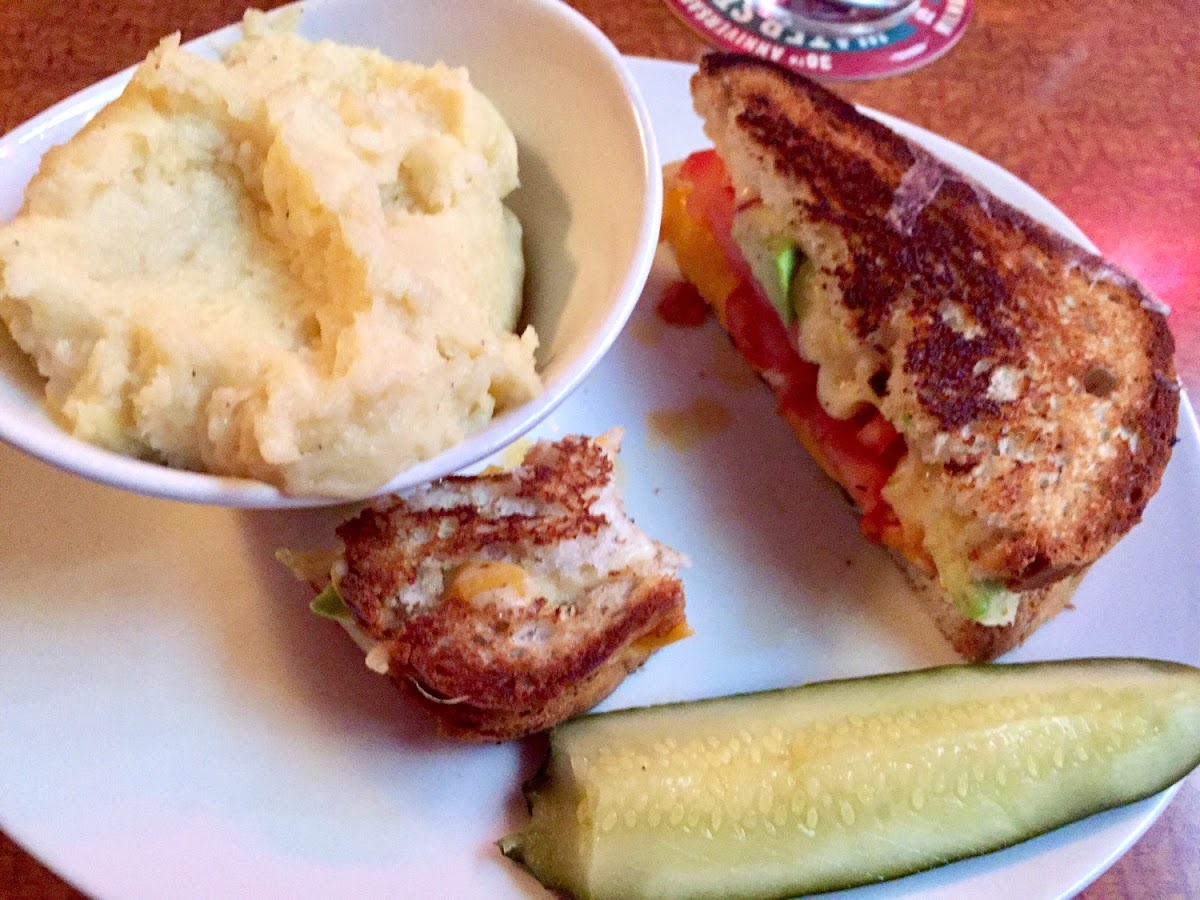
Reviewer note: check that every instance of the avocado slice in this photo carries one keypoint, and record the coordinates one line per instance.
(773, 263)
(329, 605)
(773, 257)
(798, 287)
(987, 602)
(787, 258)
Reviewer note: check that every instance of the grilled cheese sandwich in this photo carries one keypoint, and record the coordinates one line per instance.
(998, 402)
(510, 600)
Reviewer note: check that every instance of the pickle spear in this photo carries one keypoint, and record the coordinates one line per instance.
(841, 783)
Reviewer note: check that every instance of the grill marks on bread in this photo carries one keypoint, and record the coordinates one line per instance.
(992, 328)
(480, 517)
(600, 595)
(854, 169)
(497, 673)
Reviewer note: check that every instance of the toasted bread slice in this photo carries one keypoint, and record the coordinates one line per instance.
(1032, 382)
(975, 641)
(510, 601)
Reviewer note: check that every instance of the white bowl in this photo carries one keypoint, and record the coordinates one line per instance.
(589, 202)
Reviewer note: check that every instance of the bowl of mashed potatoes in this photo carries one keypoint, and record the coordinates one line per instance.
(332, 251)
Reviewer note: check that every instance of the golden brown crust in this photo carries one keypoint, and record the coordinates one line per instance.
(1033, 377)
(601, 595)
(471, 668)
(387, 542)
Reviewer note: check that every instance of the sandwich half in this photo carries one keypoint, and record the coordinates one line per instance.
(506, 601)
(999, 403)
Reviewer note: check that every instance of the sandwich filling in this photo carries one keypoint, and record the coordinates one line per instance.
(737, 253)
(507, 600)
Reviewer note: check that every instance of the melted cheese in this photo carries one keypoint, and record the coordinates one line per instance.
(475, 578)
(846, 365)
(653, 642)
(948, 538)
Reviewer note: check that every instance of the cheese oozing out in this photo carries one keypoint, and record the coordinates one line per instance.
(933, 532)
(932, 535)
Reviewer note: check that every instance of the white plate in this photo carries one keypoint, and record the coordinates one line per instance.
(173, 721)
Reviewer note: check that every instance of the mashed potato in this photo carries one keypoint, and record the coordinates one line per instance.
(293, 264)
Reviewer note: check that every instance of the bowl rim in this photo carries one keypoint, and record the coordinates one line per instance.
(95, 463)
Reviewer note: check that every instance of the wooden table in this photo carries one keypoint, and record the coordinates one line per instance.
(1096, 104)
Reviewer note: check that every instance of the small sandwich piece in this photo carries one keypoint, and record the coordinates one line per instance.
(510, 601)
(998, 402)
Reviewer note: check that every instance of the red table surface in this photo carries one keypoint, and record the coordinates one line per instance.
(1097, 105)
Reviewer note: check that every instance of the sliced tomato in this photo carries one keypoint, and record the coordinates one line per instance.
(712, 197)
(712, 200)
(762, 338)
(859, 453)
(682, 305)
(876, 433)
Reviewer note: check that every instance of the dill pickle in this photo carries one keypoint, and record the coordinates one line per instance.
(842, 783)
